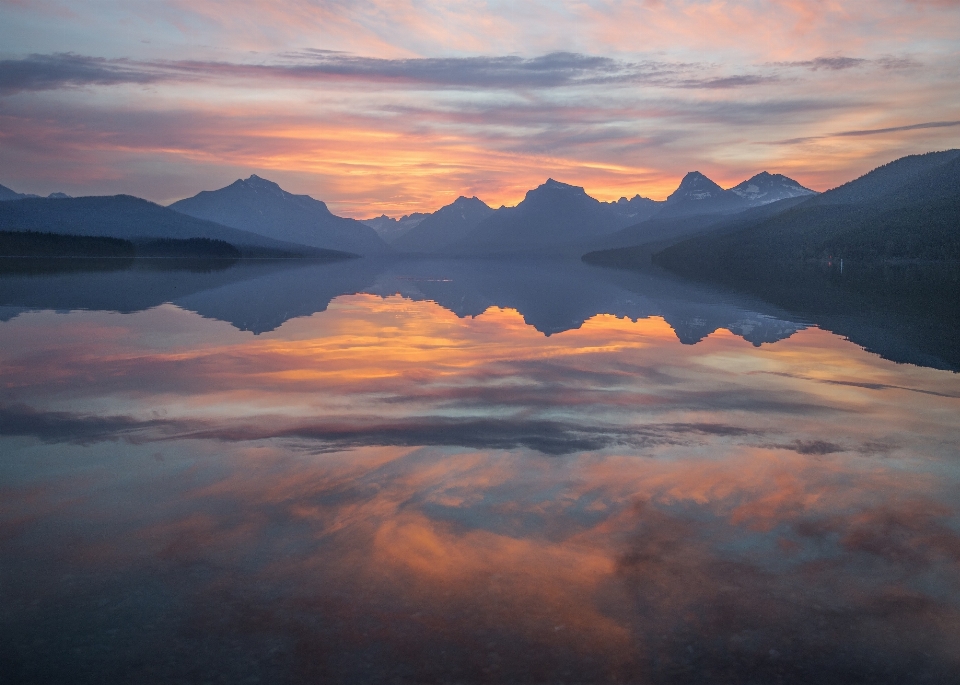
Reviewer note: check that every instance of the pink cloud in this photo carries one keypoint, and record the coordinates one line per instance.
(436, 100)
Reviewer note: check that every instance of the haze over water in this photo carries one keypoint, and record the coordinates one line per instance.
(470, 481)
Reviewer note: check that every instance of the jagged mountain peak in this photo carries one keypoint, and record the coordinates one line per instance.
(260, 180)
(553, 188)
(553, 184)
(259, 183)
(766, 187)
(695, 186)
(464, 203)
(448, 224)
(464, 200)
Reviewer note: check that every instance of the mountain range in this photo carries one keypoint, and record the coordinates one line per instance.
(391, 229)
(554, 218)
(550, 216)
(558, 218)
(908, 209)
(131, 218)
(767, 215)
(7, 194)
(634, 210)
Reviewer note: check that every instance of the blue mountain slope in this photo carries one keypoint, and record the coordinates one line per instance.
(550, 217)
(261, 206)
(127, 217)
(435, 233)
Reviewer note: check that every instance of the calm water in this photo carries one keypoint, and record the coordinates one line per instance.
(464, 472)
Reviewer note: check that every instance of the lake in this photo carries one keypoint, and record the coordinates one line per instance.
(467, 471)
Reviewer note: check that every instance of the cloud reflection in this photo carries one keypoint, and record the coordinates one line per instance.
(427, 564)
(385, 491)
(548, 437)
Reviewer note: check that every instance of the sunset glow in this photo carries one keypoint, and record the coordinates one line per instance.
(402, 106)
(395, 342)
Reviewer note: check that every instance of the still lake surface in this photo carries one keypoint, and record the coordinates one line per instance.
(442, 471)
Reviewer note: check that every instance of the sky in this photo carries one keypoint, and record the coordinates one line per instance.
(396, 106)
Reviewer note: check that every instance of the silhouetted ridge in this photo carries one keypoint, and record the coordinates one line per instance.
(552, 217)
(8, 194)
(439, 230)
(261, 206)
(879, 184)
(908, 209)
(132, 218)
(634, 210)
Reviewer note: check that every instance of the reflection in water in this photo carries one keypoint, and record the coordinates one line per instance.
(388, 492)
(905, 311)
(906, 319)
(552, 295)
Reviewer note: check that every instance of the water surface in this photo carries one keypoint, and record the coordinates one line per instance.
(463, 472)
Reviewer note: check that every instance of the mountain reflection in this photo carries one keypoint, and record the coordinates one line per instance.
(424, 487)
(552, 295)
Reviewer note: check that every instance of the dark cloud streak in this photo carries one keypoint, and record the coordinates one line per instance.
(869, 132)
(827, 63)
(841, 63)
(895, 129)
(50, 72)
(554, 70)
(545, 436)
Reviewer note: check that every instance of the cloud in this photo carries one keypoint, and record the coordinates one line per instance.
(56, 427)
(547, 71)
(48, 72)
(554, 70)
(372, 134)
(867, 386)
(869, 132)
(842, 63)
(830, 63)
(815, 447)
(894, 129)
(729, 81)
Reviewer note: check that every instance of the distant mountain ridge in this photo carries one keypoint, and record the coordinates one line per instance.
(132, 218)
(551, 216)
(449, 224)
(261, 206)
(391, 229)
(697, 194)
(8, 194)
(636, 209)
(557, 217)
(554, 217)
